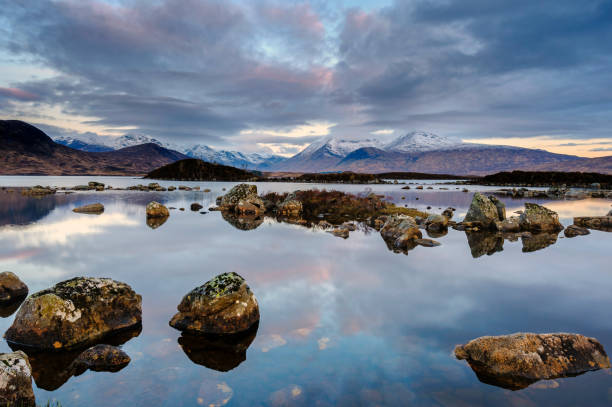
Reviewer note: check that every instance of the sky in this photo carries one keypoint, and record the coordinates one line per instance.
(275, 75)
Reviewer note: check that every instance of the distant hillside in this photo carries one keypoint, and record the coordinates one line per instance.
(429, 153)
(192, 169)
(538, 178)
(26, 150)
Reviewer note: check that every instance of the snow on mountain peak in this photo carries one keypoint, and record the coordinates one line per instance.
(418, 141)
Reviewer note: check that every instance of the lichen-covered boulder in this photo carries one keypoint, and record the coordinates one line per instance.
(399, 232)
(223, 305)
(95, 208)
(239, 192)
(515, 361)
(16, 380)
(74, 313)
(290, 207)
(537, 218)
(482, 210)
(11, 288)
(157, 210)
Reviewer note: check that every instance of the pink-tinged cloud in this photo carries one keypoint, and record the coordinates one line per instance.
(15, 93)
(300, 18)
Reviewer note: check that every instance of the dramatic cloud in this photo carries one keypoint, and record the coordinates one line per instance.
(255, 74)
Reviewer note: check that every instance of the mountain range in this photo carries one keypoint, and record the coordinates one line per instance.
(26, 150)
(94, 143)
(412, 152)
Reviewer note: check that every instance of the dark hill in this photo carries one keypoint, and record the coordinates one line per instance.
(26, 150)
(192, 169)
(545, 178)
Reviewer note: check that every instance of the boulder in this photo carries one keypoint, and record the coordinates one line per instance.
(510, 225)
(171, 188)
(11, 288)
(448, 212)
(157, 210)
(74, 313)
(96, 208)
(574, 230)
(518, 360)
(250, 206)
(436, 223)
(500, 206)
(94, 184)
(16, 380)
(603, 223)
(537, 218)
(482, 210)
(241, 192)
(399, 232)
(223, 305)
(290, 207)
(196, 206)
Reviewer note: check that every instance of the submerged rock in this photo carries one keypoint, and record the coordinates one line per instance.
(96, 208)
(100, 358)
(482, 210)
(223, 305)
(427, 242)
(574, 230)
(537, 218)
(218, 352)
(518, 360)
(157, 210)
(16, 380)
(11, 288)
(74, 313)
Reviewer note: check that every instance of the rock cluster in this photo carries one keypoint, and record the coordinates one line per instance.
(515, 361)
(223, 305)
(242, 199)
(74, 313)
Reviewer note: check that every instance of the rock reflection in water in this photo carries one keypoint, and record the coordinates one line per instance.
(482, 243)
(218, 352)
(154, 223)
(243, 222)
(8, 308)
(51, 370)
(539, 241)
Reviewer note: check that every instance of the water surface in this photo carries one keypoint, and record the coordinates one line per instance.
(343, 322)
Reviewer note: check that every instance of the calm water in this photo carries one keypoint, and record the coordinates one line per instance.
(343, 322)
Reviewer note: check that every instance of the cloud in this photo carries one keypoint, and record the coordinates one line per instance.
(601, 149)
(206, 70)
(382, 132)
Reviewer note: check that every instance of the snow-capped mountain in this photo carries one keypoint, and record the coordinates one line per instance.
(417, 141)
(91, 142)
